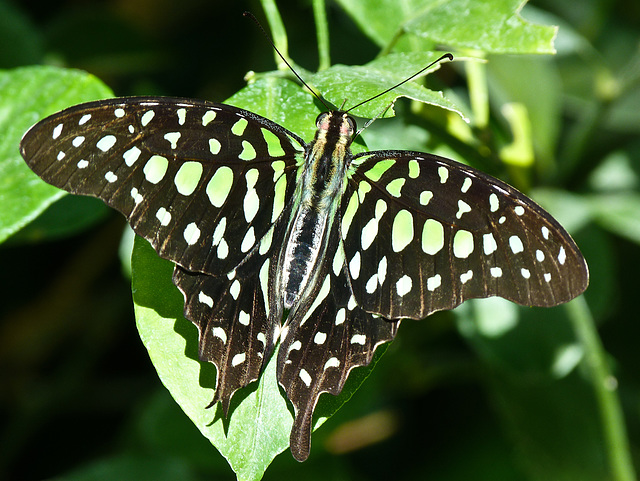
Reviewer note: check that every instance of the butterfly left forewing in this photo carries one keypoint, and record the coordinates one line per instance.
(423, 233)
(203, 182)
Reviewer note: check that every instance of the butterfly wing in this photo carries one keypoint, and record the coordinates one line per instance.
(206, 184)
(232, 315)
(319, 349)
(202, 182)
(423, 233)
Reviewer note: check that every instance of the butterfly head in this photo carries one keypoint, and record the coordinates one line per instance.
(336, 122)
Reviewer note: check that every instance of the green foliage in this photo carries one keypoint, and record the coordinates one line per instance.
(561, 128)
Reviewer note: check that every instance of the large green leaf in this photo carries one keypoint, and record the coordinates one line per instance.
(260, 419)
(26, 96)
(492, 27)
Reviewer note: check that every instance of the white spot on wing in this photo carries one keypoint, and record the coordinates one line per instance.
(131, 155)
(249, 240)
(147, 117)
(463, 208)
(164, 216)
(106, 142)
(354, 265)
(305, 376)
(191, 233)
(238, 359)
(466, 277)
(320, 337)
(234, 290)
(403, 286)
(516, 244)
(443, 173)
(57, 131)
(219, 333)
(562, 255)
(244, 318)
(494, 203)
(434, 282)
(208, 300)
(489, 244)
(332, 362)
(172, 138)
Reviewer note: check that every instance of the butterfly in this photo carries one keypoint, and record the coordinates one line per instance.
(303, 245)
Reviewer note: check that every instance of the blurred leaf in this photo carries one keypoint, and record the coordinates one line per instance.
(618, 213)
(535, 83)
(26, 96)
(536, 380)
(492, 27)
(617, 172)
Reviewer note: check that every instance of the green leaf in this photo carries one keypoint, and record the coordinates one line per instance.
(260, 419)
(618, 213)
(491, 27)
(26, 96)
(359, 83)
(259, 422)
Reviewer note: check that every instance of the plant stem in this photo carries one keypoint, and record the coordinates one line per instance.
(322, 32)
(604, 385)
(478, 92)
(278, 32)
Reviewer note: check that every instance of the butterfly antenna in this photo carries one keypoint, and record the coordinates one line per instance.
(446, 55)
(252, 17)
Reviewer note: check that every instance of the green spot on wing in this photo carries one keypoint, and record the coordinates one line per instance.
(219, 186)
(432, 237)
(248, 152)
(274, 146)
(188, 177)
(378, 170)
(395, 186)
(347, 218)
(280, 190)
(414, 168)
(155, 168)
(402, 230)
(239, 126)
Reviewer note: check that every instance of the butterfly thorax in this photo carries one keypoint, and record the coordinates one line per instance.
(316, 202)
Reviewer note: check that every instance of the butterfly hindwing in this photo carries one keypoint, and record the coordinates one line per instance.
(202, 182)
(423, 233)
(318, 350)
(231, 312)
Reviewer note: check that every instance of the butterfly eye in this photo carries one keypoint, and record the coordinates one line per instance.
(322, 120)
(352, 124)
